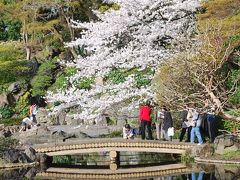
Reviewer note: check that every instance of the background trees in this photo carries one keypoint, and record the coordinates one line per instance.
(206, 73)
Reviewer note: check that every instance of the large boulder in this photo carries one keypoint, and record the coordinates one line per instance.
(42, 116)
(226, 143)
(31, 153)
(14, 87)
(15, 156)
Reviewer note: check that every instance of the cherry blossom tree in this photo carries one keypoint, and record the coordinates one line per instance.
(120, 52)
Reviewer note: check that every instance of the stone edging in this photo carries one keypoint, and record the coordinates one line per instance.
(198, 159)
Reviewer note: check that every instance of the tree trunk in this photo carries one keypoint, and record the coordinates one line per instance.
(25, 41)
(28, 52)
(229, 117)
(218, 104)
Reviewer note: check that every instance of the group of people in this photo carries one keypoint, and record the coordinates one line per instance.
(195, 123)
(191, 123)
(30, 120)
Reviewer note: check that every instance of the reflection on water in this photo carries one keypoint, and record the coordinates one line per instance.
(132, 166)
(126, 158)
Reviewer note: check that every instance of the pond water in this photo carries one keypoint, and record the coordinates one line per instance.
(131, 165)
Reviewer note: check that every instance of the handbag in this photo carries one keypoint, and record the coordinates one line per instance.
(170, 131)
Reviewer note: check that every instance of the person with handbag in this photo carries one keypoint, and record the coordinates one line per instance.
(167, 124)
(185, 125)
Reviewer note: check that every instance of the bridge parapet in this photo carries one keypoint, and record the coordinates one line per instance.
(113, 144)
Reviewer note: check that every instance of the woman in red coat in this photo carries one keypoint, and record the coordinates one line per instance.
(145, 118)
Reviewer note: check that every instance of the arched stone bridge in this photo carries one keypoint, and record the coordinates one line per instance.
(112, 144)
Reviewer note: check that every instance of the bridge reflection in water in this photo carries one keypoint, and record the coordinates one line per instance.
(123, 173)
(113, 147)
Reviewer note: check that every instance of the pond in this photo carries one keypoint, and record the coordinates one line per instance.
(131, 165)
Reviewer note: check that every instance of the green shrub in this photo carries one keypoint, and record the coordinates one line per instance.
(62, 159)
(44, 78)
(142, 77)
(22, 106)
(85, 83)
(12, 63)
(116, 76)
(11, 122)
(10, 30)
(142, 80)
(6, 112)
(228, 125)
(105, 7)
(61, 81)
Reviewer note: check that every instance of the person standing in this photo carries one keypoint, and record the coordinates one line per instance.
(158, 120)
(145, 119)
(195, 120)
(33, 112)
(211, 121)
(185, 125)
(167, 123)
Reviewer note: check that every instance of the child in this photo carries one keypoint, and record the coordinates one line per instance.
(26, 123)
(128, 132)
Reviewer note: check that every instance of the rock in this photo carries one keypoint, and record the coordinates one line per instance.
(14, 174)
(15, 156)
(7, 133)
(19, 94)
(206, 151)
(225, 143)
(42, 116)
(13, 129)
(42, 130)
(59, 133)
(219, 147)
(60, 118)
(228, 141)
(31, 153)
(43, 158)
(31, 173)
(14, 87)
(3, 100)
(227, 172)
(11, 99)
(2, 126)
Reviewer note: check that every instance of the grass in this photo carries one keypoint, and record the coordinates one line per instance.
(231, 155)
